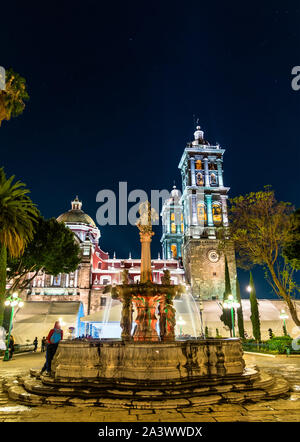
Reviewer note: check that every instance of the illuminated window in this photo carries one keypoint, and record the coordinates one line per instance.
(174, 250)
(213, 179)
(182, 227)
(172, 216)
(56, 280)
(173, 227)
(202, 217)
(198, 164)
(200, 180)
(181, 217)
(217, 214)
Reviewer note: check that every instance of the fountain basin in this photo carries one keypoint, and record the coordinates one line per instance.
(136, 375)
(146, 363)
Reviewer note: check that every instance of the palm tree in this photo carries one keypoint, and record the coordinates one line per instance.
(13, 97)
(18, 215)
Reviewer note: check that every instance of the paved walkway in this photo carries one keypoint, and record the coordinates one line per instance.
(281, 410)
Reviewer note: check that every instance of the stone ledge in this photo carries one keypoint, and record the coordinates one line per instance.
(32, 391)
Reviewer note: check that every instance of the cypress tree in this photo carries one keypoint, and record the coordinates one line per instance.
(240, 317)
(226, 315)
(206, 332)
(254, 311)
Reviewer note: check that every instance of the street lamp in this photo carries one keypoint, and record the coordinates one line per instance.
(12, 301)
(283, 316)
(200, 309)
(231, 304)
(249, 288)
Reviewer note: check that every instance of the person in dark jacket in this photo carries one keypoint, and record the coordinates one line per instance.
(11, 346)
(54, 337)
(35, 343)
(43, 345)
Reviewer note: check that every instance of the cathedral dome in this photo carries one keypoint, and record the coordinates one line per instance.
(76, 215)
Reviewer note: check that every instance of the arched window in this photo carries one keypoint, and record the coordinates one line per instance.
(200, 181)
(172, 216)
(213, 179)
(56, 280)
(99, 265)
(174, 250)
(217, 214)
(198, 165)
(173, 227)
(201, 211)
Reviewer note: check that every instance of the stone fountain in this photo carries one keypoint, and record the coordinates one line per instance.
(147, 368)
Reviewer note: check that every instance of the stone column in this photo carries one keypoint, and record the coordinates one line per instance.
(76, 279)
(208, 199)
(193, 178)
(206, 172)
(220, 173)
(224, 210)
(146, 238)
(194, 211)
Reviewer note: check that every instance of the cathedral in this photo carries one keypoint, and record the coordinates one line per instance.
(190, 250)
(191, 220)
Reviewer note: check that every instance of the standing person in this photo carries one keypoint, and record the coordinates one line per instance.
(35, 343)
(43, 345)
(54, 337)
(11, 346)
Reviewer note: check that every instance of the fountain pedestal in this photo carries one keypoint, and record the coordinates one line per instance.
(146, 319)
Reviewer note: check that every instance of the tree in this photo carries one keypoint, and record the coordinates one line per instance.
(260, 228)
(206, 332)
(226, 314)
(52, 250)
(240, 317)
(18, 216)
(254, 311)
(12, 99)
(291, 250)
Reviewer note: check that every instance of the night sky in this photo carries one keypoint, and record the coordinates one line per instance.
(114, 87)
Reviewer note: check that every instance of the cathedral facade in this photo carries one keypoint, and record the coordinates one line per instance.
(190, 248)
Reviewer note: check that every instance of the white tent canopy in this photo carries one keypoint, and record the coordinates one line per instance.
(36, 318)
(269, 311)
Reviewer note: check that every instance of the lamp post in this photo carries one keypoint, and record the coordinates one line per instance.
(200, 310)
(12, 301)
(231, 304)
(201, 318)
(283, 316)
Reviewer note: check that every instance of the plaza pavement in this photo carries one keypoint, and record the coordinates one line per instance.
(280, 410)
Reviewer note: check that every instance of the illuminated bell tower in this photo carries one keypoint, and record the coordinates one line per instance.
(204, 200)
(173, 226)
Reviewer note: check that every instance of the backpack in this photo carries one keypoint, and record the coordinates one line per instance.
(56, 336)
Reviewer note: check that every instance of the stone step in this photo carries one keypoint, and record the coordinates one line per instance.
(31, 391)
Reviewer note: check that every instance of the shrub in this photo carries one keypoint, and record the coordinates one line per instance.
(279, 343)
